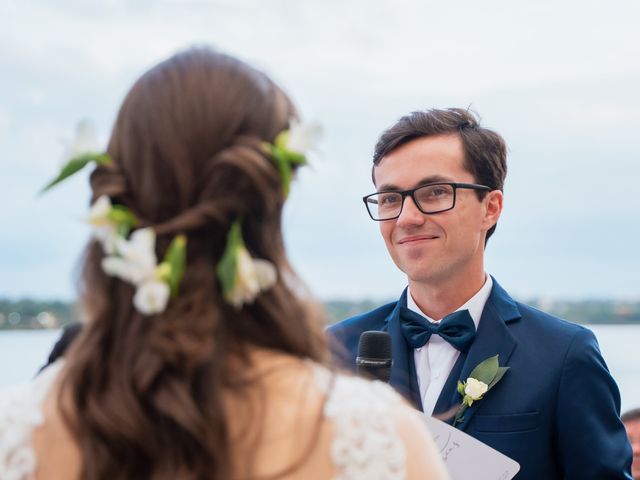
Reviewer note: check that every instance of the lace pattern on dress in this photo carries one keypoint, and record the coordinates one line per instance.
(21, 413)
(366, 444)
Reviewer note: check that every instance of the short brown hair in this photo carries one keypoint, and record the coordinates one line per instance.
(631, 415)
(485, 150)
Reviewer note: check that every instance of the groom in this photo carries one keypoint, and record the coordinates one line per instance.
(439, 178)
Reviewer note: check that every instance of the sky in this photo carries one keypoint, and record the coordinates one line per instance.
(558, 80)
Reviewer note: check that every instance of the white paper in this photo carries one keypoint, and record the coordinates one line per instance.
(465, 457)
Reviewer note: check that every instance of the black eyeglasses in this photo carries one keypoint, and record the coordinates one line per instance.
(431, 198)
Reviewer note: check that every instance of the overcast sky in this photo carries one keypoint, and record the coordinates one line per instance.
(558, 79)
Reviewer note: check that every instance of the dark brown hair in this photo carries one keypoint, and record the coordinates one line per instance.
(485, 150)
(145, 392)
(631, 415)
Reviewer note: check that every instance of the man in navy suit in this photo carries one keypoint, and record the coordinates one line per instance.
(439, 179)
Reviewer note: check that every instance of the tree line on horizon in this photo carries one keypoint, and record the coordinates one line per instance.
(34, 314)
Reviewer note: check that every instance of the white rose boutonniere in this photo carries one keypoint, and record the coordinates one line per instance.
(481, 379)
(474, 389)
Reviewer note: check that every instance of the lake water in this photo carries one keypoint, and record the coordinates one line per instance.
(23, 352)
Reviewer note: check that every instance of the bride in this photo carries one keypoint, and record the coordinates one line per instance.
(202, 357)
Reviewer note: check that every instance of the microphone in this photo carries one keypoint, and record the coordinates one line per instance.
(374, 355)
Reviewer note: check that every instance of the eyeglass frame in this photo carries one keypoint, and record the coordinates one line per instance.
(411, 193)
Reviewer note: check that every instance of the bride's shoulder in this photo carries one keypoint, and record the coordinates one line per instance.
(377, 433)
(344, 390)
(20, 414)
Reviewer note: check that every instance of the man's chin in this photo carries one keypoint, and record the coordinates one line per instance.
(423, 276)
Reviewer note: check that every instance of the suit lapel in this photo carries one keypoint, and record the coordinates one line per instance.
(493, 337)
(403, 370)
(444, 408)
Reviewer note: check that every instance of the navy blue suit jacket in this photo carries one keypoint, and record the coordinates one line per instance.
(555, 411)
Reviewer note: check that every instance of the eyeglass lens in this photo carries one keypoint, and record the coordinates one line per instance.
(430, 199)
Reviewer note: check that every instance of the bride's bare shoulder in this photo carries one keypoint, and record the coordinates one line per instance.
(54, 447)
(423, 458)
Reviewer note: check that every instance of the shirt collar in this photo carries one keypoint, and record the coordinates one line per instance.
(475, 304)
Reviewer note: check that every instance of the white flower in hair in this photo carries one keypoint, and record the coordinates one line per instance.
(152, 297)
(290, 148)
(303, 137)
(98, 215)
(136, 261)
(253, 275)
(104, 229)
(82, 151)
(241, 276)
(133, 260)
(85, 140)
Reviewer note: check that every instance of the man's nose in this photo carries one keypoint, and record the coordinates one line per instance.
(410, 214)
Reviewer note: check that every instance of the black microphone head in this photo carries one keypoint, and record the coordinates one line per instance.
(374, 355)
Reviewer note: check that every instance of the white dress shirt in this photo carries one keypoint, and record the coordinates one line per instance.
(436, 359)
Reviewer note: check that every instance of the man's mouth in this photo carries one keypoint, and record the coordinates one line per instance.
(416, 238)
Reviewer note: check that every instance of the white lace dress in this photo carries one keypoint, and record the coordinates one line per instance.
(20, 414)
(365, 446)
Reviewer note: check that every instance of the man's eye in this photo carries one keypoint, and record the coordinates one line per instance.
(388, 199)
(436, 192)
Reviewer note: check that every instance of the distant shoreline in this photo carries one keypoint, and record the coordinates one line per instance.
(30, 314)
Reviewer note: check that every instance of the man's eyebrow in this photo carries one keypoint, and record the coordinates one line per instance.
(389, 187)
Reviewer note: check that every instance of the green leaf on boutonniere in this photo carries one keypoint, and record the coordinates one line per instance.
(499, 374)
(481, 379)
(486, 370)
(461, 388)
(76, 164)
(226, 270)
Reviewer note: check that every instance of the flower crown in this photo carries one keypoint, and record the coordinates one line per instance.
(132, 258)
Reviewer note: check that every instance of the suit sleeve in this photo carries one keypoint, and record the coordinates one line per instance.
(591, 439)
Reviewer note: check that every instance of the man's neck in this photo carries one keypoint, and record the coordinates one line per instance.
(438, 299)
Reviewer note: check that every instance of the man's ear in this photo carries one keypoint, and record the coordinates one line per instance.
(493, 208)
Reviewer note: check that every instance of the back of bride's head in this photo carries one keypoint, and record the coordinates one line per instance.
(192, 158)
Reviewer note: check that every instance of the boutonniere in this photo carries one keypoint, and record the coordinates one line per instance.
(481, 379)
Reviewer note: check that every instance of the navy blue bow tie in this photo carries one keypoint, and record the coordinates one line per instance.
(457, 328)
